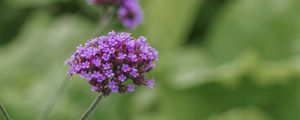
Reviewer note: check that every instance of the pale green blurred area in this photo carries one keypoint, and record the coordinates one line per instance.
(219, 60)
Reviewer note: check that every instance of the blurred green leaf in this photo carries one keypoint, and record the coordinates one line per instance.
(250, 113)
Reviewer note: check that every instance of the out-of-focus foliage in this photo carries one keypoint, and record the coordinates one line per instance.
(219, 60)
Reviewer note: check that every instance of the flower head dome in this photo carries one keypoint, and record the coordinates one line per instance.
(114, 63)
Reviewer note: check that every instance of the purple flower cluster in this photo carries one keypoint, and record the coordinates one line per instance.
(129, 11)
(110, 62)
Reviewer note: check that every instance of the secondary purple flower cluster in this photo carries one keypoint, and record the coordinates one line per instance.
(110, 62)
(129, 11)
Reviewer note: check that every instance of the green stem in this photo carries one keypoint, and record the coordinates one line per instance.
(106, 19)
(4, 112)
(104, 22)
(92, 107)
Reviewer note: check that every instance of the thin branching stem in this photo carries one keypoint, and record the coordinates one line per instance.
(4, 112)
(92, 107)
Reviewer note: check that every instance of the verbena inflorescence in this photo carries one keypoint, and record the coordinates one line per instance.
(130, 14)
(114, 63)
(129, 11)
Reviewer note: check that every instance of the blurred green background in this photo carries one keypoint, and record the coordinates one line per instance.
(219, 60)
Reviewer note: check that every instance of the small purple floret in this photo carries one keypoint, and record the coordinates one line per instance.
(95, 88)
(105, 57)
(150, 83)
(134, 73)
(85, 64)
(122, 78)
(130, 88)
(125, 68)
(96, 62)
(113, 86)
(100, 78)
(132, 57)
(121, 56)
(109, 73)
(106, 66)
